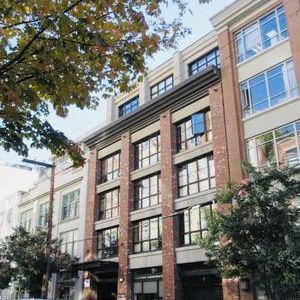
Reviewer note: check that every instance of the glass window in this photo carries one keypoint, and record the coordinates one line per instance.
(196, 176)
(43, 215)
(129, 107)
(162, 87)
(269, 89)
(147, 235)
(107, 243)
(70, 205)
(147, 192)
(194, 131)
(264, 33)
(147, 152)
(279, 147)
(68, 242)
(25, 219)
(193, 225)
(147, 284)
(200, 64)
(110, 167)
(109, 204)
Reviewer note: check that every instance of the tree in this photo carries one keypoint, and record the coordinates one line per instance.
(23, 260)
(253, 231)
(55, 54)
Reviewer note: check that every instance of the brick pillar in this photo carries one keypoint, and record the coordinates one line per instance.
(169, 222)
(125, 232)
(91, 209)
(292, 12)
(232, 105)
(219, 136)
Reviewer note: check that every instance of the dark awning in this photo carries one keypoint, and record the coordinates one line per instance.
(99, 267)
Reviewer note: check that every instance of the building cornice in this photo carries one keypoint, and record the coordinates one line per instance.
(195, 87)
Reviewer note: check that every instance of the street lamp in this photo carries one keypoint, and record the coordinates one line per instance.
(44, 294)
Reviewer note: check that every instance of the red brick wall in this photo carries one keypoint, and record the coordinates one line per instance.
(169, 222)
(125, 230)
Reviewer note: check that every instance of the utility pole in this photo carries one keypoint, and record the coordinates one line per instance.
(45, 284)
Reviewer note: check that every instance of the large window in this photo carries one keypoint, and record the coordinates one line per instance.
(147, 152)
(147, 191)
(147, 235)
(161, 87)
(196, 176)
(70, 205)
(43, 215)
(107, 243)
(193, 223)
(26, 219)
(109, 204)
(110, 167)
(279, 147)
(68, 242)
(129, 107)
(194, 130)
(269, 88)
(262, 34)
(209, 59)
(147, 284)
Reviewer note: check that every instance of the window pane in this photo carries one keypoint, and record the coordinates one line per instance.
(269, 30)
(276, 83)
(252, 40)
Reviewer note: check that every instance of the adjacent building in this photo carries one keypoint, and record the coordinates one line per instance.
(170, 144)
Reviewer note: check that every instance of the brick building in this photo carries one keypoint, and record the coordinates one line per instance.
(174, 141)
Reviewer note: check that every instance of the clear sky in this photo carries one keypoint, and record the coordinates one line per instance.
(80, 121)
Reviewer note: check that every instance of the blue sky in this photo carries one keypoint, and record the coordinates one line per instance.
(80, 121)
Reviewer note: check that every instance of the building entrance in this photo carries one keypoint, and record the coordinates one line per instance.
(107, 290)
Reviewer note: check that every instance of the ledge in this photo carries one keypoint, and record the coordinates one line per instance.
(144, 213)
(143, 172)
(109, 185)
(190, 254)
(102, 224)
(145, 260)
(199, 198)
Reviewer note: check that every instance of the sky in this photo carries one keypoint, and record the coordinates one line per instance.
(80, 121)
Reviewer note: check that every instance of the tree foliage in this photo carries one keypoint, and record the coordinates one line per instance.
(253, 232)
(23, 260)
(54, 54)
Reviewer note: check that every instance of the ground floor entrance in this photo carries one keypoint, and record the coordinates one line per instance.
(107, 289)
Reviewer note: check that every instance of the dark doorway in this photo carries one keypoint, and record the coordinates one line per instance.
(107, 290)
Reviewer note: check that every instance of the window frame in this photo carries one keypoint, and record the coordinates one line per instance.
(166, 87)
(247, 103)
(139, 201)
(198, 67)
(115, 172)
(65, 216)
(134, 104)
(102, 213)
(240, 34)
(43, 217)
(111, 251)
(141, 241)
(139, 151)
(73, 242)
(27, 223)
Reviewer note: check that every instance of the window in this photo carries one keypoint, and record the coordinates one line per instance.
(147, 152)
(162, 87)
(279, 147)
(110, 167)
(193, 223)
(209, 59)
(129, 106)
(264, 33)
(194, 131)
(70, 205)
(147, 284)
(147, 235)
(147, 192)
(269, 88)
(43, 215)
(196, 176)
(25, 219)
(109, 204)
(107, 243)
(68, 242)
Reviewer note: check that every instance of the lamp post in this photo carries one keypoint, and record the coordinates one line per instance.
(44, 294)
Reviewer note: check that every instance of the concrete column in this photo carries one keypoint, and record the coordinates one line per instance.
(178, 67)
(125, 232)
(169, 222)
(232, 105)
(219, 136)
(144, 91)
(292, 12)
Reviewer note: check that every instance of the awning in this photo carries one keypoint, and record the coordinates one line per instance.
(99, 267)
